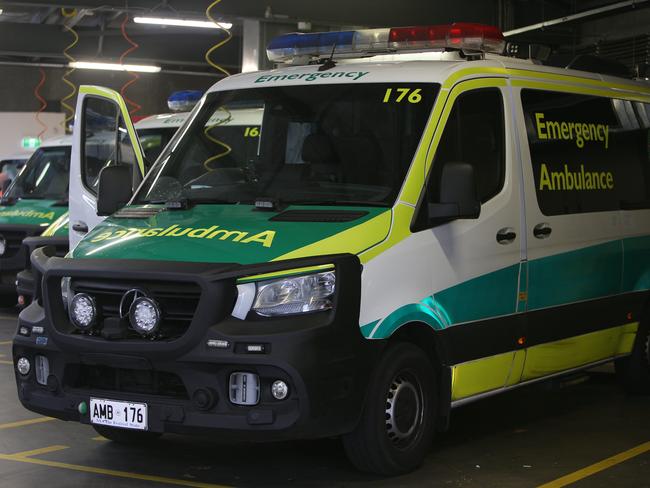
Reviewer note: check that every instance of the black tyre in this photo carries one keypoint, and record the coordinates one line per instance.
(125, 436)
(396, 427)
(634, 371)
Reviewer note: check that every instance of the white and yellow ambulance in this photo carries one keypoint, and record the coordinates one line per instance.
(409, 223)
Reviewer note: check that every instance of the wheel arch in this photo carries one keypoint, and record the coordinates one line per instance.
(431, 342)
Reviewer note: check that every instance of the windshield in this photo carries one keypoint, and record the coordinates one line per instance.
(44, 176)
(11, 167)
(318, 144)
(153, 141)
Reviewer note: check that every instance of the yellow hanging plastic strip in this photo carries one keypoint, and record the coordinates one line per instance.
(69, 109)
(227, 149)
(208, 54)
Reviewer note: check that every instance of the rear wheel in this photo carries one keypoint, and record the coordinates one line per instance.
(396, 427)
(634, 370)
(125, 436)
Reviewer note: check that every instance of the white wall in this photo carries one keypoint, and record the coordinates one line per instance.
(16, 125)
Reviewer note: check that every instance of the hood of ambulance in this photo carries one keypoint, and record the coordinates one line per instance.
(32, 212)
(233, 234)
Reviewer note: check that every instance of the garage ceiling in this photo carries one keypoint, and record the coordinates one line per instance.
(32, 31)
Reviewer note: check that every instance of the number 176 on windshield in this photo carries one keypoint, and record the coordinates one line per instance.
(400, 94)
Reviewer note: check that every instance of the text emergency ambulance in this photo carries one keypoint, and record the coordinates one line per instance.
(411, 230)
(154, 132)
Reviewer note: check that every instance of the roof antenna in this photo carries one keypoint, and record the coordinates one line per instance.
(329, 62)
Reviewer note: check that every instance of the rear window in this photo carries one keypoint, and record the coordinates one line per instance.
(589, 154)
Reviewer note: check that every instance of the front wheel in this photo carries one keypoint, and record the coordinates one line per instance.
(126, 436)
(634, 370)
(397, 424)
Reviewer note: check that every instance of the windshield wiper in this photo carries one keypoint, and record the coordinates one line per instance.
(185, 203)
(352, 203)
(8, 201)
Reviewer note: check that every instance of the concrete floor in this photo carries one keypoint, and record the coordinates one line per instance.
(526, 438)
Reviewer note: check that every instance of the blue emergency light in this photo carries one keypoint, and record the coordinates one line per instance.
(184, 101)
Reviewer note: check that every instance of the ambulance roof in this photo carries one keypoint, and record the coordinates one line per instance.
(57, 142)
(159, 121)
(423, 67)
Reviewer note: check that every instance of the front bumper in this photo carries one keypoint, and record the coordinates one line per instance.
(16, 256)
(25, 283)
(321, 356)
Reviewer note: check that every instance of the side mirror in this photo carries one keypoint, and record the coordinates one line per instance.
(114, 190)
(458, 194)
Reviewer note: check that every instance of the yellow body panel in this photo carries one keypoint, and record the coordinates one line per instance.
(508, 369)
(354, 240)
(554, 357)
(474, 377)
(517, 369)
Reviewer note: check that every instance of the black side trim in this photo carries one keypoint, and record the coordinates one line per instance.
(485, 338)
(318, 216)
(554, 324)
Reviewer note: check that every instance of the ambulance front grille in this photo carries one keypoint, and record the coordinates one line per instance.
(14, 241)
(177, 301)
(105, 378)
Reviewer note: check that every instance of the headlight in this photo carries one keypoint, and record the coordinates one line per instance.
(297, 294)
(144, 315)
(3, 245)
(83, 311)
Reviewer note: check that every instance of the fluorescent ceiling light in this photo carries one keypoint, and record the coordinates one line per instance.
(182, 22)
(114, 66)
(0, 11)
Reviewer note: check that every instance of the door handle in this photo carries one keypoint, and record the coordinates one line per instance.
(80, 227)
(542, 231)
(506, 235)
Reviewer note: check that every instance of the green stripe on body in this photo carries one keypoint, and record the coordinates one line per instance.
(580, 275)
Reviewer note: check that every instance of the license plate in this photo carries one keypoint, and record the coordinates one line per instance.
(124, 415)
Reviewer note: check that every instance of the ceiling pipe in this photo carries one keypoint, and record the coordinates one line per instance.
(64, 65)
(578, 16)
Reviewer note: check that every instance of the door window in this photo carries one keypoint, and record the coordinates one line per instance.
(473, 134)
(106, 141)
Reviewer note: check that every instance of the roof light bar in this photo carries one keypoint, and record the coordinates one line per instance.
(184, 101)
(460, 35)
(298, 47)
(294, 47)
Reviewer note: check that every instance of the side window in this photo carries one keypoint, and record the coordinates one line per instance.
(474, 134)
(589, 154)
(106, 141)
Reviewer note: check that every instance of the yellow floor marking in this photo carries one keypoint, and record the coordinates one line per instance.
(22, 423)
(42, 450)
(108, 472)
(100, 438)
(5, 343)
(9, 317)
(598, 467)
(6, 362)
